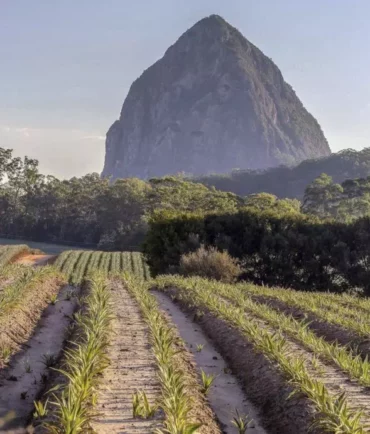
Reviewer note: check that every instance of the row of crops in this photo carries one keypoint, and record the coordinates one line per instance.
(9, 253)
(25, 292)
(278, 342)
(331, 376)
(77, 264)
(171, 410)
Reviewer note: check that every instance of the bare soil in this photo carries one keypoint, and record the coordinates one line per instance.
(132, 368)
(25, 377)
(225, 395)
(34, 260)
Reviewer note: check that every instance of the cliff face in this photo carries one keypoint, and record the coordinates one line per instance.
(213, 103)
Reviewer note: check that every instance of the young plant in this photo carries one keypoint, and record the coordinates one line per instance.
(5, 353)
(241, 422)
(69, 294)
(141, 406)
(49, 360)
(54, 299)
(41, 409)
(200, 347)
(207, 381)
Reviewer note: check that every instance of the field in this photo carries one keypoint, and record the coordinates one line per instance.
(48, 248)
(77, 264)
(174, 354)
(10, 253)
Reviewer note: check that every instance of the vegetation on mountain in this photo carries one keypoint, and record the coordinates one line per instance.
(291, 181)
(345, 202)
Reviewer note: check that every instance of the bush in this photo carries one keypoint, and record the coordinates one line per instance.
(210, 263)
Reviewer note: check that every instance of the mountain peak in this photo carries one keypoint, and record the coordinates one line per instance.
(212, 103)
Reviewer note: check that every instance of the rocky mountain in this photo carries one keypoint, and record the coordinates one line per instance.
(213, 103)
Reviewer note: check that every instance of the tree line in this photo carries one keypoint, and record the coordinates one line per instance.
(275, 247)
(291, 181)
(90, 210)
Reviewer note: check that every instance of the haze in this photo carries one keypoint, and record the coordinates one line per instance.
(66, 67)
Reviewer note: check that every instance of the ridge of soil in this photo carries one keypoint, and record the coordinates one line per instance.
(263, 383)
(335, 380)
(225, 394)
(17, 326)
(132, 368)
(19, 388)
(328, 331)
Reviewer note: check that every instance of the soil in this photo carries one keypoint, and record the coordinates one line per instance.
(225, 395)
(19, 387)
(34, 260)
(132, 368)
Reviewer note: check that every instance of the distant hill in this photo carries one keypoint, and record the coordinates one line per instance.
(213, 103)
(291, 182)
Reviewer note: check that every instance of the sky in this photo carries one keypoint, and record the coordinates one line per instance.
(67, 65)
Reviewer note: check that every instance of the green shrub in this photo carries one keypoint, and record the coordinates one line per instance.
(210, 263)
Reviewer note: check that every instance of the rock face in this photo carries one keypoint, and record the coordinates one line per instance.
(213, 103)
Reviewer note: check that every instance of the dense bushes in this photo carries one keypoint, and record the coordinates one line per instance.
(282, 249)
(210, 263)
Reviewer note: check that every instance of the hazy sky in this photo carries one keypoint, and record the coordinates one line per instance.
(66, 66)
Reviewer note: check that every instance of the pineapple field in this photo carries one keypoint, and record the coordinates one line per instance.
(93, 344)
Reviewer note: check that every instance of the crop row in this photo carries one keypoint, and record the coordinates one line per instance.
(177, 398)
(84, 362)
(76, 265)
(321, 305)
(333, 413)
(344, 358)
(8, 253)
(11, 273)
(21, 304)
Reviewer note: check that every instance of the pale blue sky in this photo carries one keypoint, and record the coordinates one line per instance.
(66, 66)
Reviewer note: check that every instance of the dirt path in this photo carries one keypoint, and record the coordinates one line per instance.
(132, 368)
(21, 382)
(225, 395)
(35, 259)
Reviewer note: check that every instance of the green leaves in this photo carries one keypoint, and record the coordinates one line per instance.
(207, 381)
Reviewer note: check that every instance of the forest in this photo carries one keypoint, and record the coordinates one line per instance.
(291, 181)
(90, 211)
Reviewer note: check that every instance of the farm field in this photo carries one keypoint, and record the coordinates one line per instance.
(10, 253)
(77, 264)
(174, 354)
(48, 248)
